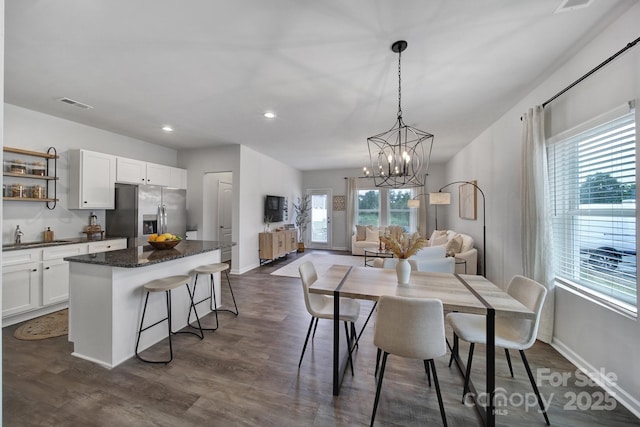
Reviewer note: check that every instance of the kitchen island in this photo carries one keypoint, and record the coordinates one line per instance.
(106, 297)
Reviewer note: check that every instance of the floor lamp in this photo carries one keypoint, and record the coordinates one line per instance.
(441, 198)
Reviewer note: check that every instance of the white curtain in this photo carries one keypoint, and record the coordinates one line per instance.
(536, 215)
(352, 191)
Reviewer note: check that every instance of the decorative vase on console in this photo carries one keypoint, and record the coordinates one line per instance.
(403, 247)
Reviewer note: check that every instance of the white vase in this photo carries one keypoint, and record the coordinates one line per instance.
(403, 270)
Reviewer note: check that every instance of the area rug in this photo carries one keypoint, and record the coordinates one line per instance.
(48, 326)
(321, 261)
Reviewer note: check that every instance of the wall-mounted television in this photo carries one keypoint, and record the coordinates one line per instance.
(274, 208)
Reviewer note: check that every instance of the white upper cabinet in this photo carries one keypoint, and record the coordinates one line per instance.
(131, 171)
(92, 178)
(178, 178)
(158, 175)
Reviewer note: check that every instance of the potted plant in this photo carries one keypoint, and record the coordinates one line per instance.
(303, 212)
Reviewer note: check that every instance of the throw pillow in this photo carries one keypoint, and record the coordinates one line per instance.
(438, 241)
(454, 246)
(361, 233)
(371, 235)
(435, 235)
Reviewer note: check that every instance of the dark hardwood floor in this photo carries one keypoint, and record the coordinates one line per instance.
(246, 374)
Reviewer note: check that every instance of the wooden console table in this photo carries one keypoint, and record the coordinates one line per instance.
(276, 244)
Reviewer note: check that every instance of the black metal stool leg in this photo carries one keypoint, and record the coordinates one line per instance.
(195, 303)
(230, 290)
(215, 308)
(168, 298)
(168, 319)
(193, 306)
(213, 300)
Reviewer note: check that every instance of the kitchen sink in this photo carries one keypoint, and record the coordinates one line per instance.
(31, 245)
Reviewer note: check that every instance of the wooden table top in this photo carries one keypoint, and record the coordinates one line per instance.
(371, 283)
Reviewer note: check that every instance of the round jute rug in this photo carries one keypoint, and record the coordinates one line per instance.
(48, 326)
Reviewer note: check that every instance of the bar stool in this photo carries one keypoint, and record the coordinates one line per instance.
(211, 269)
(165, 285)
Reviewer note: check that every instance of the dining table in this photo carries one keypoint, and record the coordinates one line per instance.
(458, 292)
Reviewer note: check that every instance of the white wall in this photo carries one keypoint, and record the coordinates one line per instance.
(262, 175)
(35, 131)
(591, 336)
(254, 176)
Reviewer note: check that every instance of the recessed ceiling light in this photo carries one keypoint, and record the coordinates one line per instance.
(270, 115)
(167, 128)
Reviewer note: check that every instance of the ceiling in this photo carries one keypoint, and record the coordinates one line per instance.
(210, 69)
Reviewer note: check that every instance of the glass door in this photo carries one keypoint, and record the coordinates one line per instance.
(320, 227)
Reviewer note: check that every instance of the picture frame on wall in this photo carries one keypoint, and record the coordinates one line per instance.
(468, 201)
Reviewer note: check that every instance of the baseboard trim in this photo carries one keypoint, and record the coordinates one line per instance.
(599, 377)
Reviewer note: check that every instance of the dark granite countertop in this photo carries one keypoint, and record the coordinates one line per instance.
(141, 256)
(57, 242)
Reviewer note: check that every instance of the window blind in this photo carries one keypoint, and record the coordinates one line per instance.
(592, 178)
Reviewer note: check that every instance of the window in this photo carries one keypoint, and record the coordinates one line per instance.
(592, 178)
(399, 212)
(368, 207)
(382, 207)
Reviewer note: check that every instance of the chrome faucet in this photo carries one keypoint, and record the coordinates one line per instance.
(19, 235)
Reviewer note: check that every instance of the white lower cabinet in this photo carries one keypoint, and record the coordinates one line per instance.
(35, 282)
(55, 281)
(20, 288)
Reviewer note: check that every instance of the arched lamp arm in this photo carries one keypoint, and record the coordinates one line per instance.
(484, 222)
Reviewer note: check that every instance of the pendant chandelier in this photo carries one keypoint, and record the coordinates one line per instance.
(397, 156)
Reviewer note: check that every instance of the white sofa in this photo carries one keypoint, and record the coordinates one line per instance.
(371, 241)
(370, 237)
(464, 251)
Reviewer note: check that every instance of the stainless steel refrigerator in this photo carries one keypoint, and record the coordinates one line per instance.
(141, 210)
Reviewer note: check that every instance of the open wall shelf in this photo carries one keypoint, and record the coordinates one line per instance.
(50, 176)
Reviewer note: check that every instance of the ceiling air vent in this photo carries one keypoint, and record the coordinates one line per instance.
(75, 103)
(569, 5)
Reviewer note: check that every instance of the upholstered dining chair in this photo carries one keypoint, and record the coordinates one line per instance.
(321, 307)
(511, 334)
(436, 265)
(412, 328)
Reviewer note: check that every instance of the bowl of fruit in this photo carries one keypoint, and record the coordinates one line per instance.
(164, 241)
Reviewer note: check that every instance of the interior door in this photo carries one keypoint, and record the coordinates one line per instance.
(225, 193)
(320, 226)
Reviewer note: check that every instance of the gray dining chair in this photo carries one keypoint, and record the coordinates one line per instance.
(412, 328)
(510, 334)
(321, 307)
